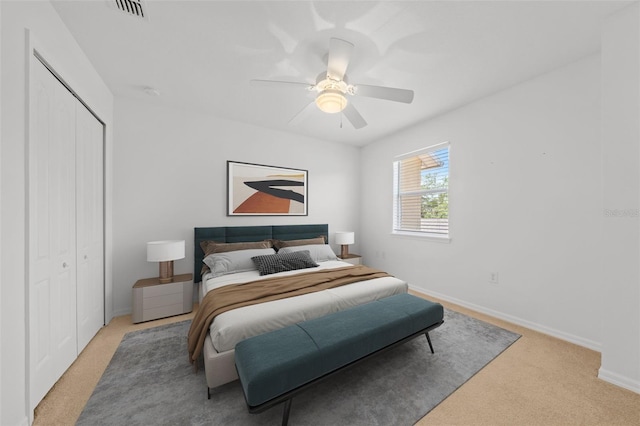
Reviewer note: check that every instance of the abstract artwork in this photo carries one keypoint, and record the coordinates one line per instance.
(259, 190)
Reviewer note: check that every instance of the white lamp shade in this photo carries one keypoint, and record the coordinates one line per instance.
(162, 251)
(344, 238)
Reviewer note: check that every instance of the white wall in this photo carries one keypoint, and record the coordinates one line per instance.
(525, 201)
(1, 399)
(62, 51)
(170, 176)
(621, 171)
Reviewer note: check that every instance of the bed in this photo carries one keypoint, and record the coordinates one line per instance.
(235, 325)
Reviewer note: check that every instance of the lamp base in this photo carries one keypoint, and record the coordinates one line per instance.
(166, 272)
(344, 253)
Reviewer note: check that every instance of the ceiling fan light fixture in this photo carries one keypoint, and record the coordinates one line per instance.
(331, 101)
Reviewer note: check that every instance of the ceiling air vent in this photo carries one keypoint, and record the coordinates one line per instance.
(133, 8)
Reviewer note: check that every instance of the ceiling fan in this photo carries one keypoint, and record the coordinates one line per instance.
(332, 87)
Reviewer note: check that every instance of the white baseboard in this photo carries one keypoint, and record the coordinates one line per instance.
(618, 380)
(577, 340)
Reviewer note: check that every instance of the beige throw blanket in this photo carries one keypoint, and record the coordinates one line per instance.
(235, 296)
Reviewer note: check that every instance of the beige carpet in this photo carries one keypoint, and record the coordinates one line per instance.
(539, 380)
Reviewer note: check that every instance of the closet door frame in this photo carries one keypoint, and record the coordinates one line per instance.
(36, 54)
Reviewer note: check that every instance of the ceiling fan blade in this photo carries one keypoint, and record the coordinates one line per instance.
(277, 83)
(354, 116)
(302, 114)
(339, 56)
(387, 93)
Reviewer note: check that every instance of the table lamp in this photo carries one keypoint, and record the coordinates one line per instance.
(165, 252)
(344, 238)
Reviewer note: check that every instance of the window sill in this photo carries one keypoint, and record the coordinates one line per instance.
(422, 236)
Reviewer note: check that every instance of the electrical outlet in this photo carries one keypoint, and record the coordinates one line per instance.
(493, 277)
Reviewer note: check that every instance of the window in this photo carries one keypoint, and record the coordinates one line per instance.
(421, 192)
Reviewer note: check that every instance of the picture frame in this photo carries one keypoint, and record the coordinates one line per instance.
(262, 190)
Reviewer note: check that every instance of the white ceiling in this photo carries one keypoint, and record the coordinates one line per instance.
(201, 55)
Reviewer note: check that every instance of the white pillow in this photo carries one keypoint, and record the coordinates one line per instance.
(234, 261)
(318, 252)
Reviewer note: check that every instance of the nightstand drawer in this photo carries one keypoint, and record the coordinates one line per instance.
(162, 290)
(162, 312)
(354, 259)
(162, 300)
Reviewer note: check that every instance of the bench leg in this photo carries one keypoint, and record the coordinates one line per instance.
(429, 340)
(287, 409)
(208, 392)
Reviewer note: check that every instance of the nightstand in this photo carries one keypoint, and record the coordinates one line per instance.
(354, 259)
(153, 300)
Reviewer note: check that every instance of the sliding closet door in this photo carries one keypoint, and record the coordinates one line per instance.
(52, 224)
(90, 237)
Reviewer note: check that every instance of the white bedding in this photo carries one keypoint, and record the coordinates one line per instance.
(233, 326)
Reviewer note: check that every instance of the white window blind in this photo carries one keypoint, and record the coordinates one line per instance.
(421, 191)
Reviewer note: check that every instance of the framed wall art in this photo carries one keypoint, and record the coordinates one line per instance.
(259, 190)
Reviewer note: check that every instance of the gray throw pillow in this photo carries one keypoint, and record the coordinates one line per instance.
(274, 263)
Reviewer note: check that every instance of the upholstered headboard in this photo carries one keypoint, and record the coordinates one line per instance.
(242, 234)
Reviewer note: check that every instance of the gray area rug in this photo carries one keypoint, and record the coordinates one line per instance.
(149, 381)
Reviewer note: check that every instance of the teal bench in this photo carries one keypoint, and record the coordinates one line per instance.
(276, 366)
